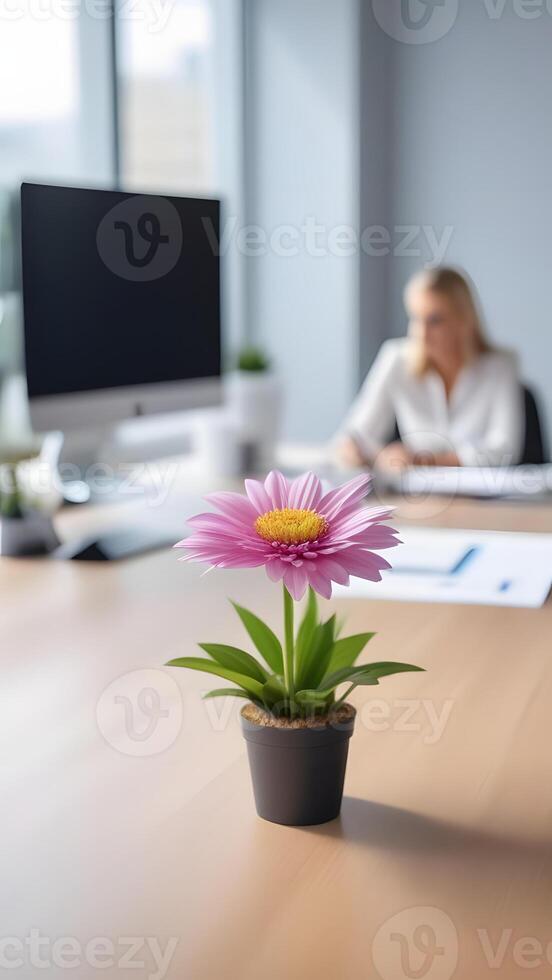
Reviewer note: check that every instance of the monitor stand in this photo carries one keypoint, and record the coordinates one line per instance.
(115, 545)
(76, 465)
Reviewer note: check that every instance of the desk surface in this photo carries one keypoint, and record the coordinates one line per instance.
(447, 813)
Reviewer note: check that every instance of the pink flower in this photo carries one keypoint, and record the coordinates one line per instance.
(300, 534)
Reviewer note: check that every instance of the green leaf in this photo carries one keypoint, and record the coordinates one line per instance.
(316, 656)
(387, 667)
(306, 630)
(371, 671)
(318, 698)
(310, 707)
(235, 659)
(355, 679)
(266, 642)
(252, 687)
(274, 691)
(339, 626)
(231, 692)
(346, 650)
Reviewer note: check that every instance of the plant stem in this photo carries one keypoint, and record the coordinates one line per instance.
(344, 696)
(289, 651)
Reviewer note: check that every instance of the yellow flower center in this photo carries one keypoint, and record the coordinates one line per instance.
(290, 526)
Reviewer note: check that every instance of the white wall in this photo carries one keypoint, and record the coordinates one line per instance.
(375, 202)
(472, 148)
(303, 136)
(447, 138)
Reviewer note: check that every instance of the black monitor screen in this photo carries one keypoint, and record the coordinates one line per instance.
(118, 289)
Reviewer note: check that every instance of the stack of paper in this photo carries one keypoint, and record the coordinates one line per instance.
(484, 567)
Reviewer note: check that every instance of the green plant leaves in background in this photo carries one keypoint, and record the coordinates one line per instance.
(231, 692)
(253, 687)
(322, 663)
(314, 699)
(347, 650)
(364, 674)
(236, 659)
(266, 642)
(307, 627)
(274, 692)
(313, 664)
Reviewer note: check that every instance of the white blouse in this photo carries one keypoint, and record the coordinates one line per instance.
(482, 421)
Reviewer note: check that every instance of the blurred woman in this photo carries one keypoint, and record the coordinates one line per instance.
(442, 395)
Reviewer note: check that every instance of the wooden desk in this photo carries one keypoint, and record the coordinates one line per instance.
(101, 844)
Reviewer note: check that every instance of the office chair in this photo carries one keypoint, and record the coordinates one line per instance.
(533, 440)
(533, 445)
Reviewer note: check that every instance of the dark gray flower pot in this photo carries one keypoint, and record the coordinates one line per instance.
(21, 537)
(298, 773)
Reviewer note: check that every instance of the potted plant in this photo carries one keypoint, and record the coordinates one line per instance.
(26, 505)
(297, 722)
(254, 400)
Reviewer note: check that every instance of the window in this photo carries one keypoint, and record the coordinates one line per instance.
(165, 98)
(38, 114)
(54, 110)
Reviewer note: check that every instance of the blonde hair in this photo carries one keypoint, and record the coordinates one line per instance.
(462, 295)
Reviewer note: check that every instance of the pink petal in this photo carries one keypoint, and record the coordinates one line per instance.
(221, 524)
(363, 564)
(218, 542)
(241, 561)
(295, 580)
(277, 489)
(305, 492)
(234, 505)
(358, 520)
(333, 570)
(376, 540)
(375, 536)
(345, 497)
(258, 496)
(366, 515)
(239, 535)
(275, 570)
(318, 581)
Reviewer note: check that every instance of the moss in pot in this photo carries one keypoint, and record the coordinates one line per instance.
(297, 724)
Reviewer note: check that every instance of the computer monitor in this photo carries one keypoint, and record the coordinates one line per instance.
(121, 298)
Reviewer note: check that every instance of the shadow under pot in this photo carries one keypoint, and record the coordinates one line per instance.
(298, 773)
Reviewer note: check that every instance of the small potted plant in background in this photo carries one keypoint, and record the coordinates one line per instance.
(27, 500)
(297, 722)
(254, 400)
